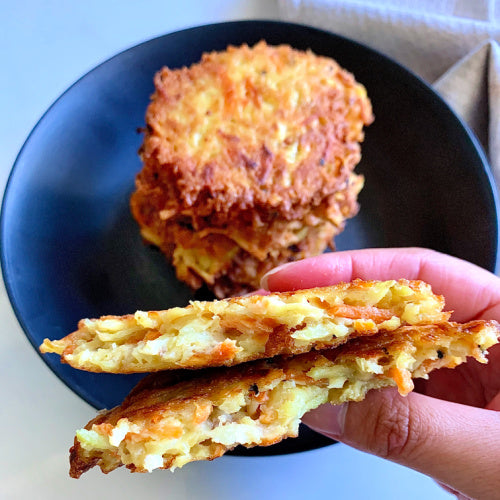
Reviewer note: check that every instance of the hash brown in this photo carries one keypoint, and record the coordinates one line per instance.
(232, 263)
(249, 144)
(236, 330)
(251, 127)
(166, 423)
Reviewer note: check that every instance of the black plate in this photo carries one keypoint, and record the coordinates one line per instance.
(70, 248)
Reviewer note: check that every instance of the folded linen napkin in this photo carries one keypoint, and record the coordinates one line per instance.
(453, 44)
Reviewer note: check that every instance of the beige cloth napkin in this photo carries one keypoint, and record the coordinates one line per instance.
(453, 44)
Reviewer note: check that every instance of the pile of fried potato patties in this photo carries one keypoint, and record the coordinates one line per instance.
(248, 161)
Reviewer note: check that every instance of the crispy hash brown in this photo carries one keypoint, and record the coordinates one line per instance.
(243, 153)
(234, 264)
(236, 330)
(166, 423)
(257, 127)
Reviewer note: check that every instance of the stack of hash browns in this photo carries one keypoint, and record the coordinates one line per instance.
(248, 162)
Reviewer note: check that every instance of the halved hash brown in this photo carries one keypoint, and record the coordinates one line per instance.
(236, 330)
(166, 423)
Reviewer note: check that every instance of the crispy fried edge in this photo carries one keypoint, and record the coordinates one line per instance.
(279, 340)
(151, 395)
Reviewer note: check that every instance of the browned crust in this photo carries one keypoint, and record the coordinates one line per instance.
(231, 182)
(172, 393)
(247, 190)
(267, 244)
(244, 271)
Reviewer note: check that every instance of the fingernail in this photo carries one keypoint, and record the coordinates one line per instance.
(264, 279)
(260, 291)
(327, 419)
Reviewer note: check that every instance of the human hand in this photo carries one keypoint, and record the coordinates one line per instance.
(446, 428)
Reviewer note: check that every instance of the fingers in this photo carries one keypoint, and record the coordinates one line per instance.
(335, 267)
(458, 445)
(455, 444)
(470, 291)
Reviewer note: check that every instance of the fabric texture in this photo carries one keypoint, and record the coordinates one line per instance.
(452, 44)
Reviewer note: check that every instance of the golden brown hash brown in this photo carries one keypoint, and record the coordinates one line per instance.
(233, 263)
(250, 144)
(236, 330)
(228, 269)
(167, 422)
(249, 128)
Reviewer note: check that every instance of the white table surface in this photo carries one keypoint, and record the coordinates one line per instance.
(45, 46)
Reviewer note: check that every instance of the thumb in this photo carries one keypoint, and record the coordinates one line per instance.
(455, 444)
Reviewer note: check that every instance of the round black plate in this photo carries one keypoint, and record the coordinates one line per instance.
(70, 248)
